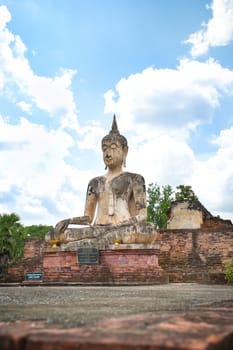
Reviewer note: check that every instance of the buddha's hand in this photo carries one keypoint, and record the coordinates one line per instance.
(133, 220)
(140, 217)
(81, 220)
(130, 221)
(61, 226)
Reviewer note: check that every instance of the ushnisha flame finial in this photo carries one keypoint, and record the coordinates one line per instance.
(115, 135)
(114, 126)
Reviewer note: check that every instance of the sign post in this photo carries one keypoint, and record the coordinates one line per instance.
(31, 276)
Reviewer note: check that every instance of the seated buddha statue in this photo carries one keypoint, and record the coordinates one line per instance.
(115, 198)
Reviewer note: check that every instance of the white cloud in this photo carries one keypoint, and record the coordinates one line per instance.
(91, 137)
(34, 171)
(52, 95)
(31, 156)
(214, 177)
(217, 32)
(26, 107)
(162, 159)
(166, 160)
(175, 99)
(36, 180)
(159, 108)
(5, 17)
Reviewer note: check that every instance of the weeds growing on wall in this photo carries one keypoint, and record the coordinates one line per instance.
(229, 273)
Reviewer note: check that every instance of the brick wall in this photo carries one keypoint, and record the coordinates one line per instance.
(196, 255)
(33, 247)
(32, 260)
(115, 266)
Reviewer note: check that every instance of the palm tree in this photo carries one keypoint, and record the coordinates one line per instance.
(11, 238)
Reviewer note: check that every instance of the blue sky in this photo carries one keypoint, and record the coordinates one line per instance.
(164, 67)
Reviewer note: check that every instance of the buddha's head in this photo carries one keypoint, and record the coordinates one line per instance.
(114, 147)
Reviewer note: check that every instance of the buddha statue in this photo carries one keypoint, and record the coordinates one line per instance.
(113, 199)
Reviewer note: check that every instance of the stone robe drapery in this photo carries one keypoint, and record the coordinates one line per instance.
(117, 200)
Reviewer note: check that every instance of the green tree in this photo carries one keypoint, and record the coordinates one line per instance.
(184, 192)
(11, 239)
(159, 201)
(36, 230)
(12, 235)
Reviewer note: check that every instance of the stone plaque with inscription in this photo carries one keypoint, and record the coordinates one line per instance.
(88, 256)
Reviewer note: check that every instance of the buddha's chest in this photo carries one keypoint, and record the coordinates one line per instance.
(119, 187)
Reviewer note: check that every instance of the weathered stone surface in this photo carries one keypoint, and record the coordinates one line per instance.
(134, 246)
(119, 198)
(103, 236)
(193, 215)
(164, 317)
(202, 330)
(182, 217)
(69, 305)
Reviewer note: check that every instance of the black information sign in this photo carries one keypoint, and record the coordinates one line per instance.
(33, 275)
(88, 256)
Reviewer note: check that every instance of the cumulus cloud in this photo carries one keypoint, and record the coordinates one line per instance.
(213, 178)
(217, 32)
(161, 159)
(53, 95)
(157, 110)
(91, 136)
(181, 98)
(167, 160)
(5, 17)
(160, 109)
(38, 179)
(26, 107)
(34, 170)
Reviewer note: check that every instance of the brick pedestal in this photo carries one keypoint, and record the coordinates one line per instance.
(118, 266)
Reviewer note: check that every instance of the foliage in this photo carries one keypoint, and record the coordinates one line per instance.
(159, 201)
(12, 235)
(11, 239)
(229, 273)
(36, 230)
(185, 193)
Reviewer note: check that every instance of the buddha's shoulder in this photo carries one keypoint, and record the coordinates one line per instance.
(97, 181)
(133, 176)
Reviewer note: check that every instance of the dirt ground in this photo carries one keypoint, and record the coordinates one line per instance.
(75, 306)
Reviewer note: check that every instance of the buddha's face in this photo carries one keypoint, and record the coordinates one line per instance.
(113, 153)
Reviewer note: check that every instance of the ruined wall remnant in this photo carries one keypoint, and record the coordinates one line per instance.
(193, 215)
(196, 255)
(182, 217)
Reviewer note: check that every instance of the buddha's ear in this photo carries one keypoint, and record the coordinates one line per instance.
(125, 150)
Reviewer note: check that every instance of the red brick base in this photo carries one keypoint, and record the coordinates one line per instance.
(115, 266)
